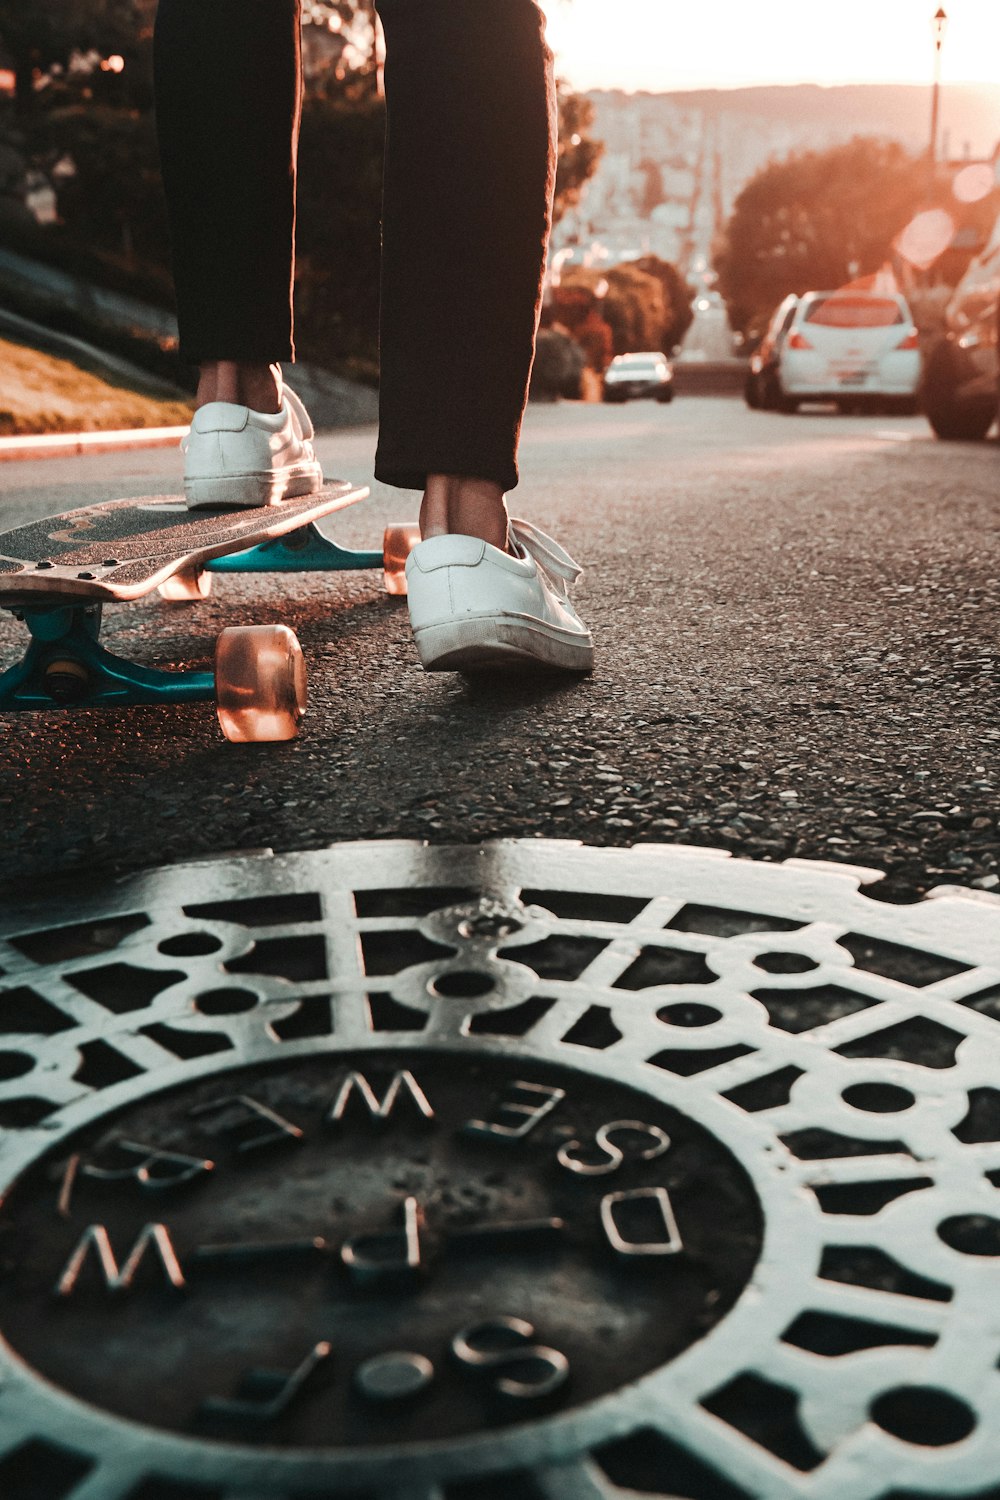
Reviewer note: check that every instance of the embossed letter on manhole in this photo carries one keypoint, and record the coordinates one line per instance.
(525, 1236)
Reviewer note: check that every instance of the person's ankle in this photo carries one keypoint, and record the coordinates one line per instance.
(257, 386)
(457, 505)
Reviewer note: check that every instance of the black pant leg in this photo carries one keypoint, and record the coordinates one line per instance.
(470, 168)
(228, 98)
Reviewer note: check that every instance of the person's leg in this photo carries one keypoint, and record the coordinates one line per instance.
(228, 98)
(460, 504)
(470, 166)
(228, 101)
(241, 383)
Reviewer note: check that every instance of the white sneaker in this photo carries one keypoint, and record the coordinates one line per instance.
(235, 456)
(473, 606)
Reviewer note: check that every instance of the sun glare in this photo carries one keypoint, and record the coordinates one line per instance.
(673, 44)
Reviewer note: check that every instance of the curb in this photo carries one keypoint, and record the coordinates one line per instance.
(67, 444)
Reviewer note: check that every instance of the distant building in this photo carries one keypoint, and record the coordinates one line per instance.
(706, 146)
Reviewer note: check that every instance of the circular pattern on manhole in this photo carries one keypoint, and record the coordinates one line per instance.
(375, 1202)
(522, 1169)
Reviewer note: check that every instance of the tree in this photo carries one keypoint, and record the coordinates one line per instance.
(35, 37)
(579, 152)
(678, 297)
(576, 306)
(635, 309)
(113, 201)
(89, 129)
(644, 304)
(354, 24)
(42, 38)
(814, 222)
(558, 367)
(631, 303)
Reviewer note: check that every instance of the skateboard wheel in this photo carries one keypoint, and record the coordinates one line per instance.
(66, 680)
(194, 583)
(398, 543)
(260, 683)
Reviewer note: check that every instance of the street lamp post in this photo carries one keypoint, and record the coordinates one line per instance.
(940, 25)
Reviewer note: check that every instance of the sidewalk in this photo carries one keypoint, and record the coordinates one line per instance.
(66, 444)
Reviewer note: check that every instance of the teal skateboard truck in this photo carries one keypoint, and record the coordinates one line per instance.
(57, 574)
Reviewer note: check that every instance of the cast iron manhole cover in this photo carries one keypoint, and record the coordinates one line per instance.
(521, 1170)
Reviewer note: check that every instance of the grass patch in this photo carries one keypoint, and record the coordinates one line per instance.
(42, 393)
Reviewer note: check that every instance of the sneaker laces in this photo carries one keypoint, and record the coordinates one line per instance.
(554, 561)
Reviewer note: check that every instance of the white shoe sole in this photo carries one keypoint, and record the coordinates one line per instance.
(484, 642)
(212, 492)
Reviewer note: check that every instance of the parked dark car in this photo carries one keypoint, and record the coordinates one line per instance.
(961, 386)
(632, 376)
(762, 390)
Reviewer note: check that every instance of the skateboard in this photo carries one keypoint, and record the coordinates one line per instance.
(57, 574)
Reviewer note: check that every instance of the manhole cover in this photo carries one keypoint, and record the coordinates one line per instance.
(396, 1173)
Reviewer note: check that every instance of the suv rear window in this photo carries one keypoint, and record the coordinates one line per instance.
(854, 312)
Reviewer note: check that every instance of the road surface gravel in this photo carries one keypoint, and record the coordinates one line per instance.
(796, 622)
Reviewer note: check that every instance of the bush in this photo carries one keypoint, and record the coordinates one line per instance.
(646, 305)
(558, 368)
(113, 203)
(634, 309)
(678, 298)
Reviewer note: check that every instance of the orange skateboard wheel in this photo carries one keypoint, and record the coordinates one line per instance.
(260, 683)
(397, 544)
(185, 587)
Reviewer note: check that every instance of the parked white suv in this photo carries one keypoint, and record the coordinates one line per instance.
(858, 349)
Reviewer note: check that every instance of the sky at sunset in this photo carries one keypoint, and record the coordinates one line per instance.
(684, 44)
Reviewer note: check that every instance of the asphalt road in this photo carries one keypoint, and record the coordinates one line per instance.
(796, 622)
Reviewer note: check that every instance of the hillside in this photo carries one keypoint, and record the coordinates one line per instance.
(970, 113)
(675, 163)
(42, 393)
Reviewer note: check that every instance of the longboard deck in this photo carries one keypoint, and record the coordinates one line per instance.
(122, 549)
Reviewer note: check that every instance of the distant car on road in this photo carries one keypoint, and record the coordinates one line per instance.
(709, 301)
(961, 387)
(632, 376)
(858, 349)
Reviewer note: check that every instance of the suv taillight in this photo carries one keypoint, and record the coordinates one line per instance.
(798, 340)
(912, 340)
